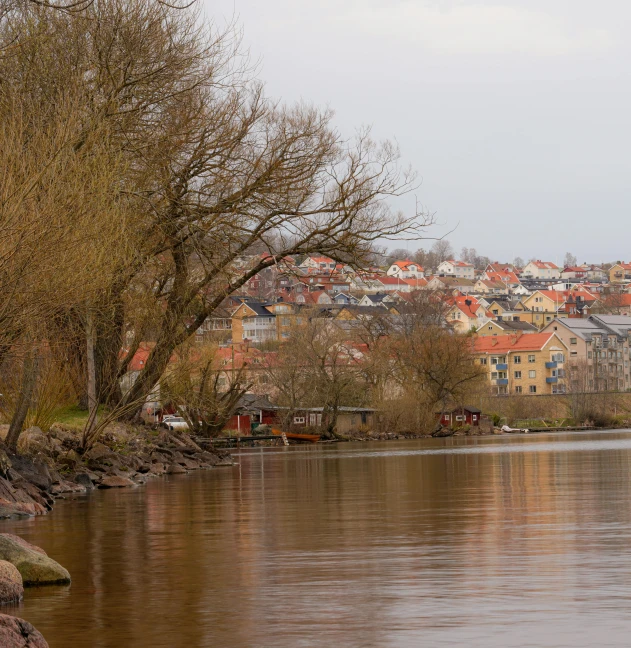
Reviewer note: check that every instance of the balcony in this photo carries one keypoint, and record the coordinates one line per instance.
(501, 381)
(501, 367)
(551, 365)
(552, 380)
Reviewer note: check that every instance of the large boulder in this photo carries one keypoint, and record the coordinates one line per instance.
(35, 472)
(11, 586)
(114, 481)
(17, 633)
(32, 562)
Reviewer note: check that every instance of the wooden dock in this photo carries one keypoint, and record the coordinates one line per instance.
(235, 441)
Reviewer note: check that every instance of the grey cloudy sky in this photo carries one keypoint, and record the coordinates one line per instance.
(514, 112)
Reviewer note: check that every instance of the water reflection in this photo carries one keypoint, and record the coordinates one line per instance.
(510, 541)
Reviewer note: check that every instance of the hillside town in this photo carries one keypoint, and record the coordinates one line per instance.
(530, 330)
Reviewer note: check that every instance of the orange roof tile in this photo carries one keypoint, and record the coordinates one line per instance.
(505, 343)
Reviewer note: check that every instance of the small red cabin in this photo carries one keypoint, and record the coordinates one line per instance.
(459, 416)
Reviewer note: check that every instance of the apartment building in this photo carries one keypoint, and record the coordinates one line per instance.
(527, 364)
(599, 351)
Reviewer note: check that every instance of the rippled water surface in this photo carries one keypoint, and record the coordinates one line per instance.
(511, 541)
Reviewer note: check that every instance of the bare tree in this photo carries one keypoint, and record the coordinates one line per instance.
(204, 393)
(442, 251)
(196, 170)
(324, 369)
(569, 260)
(435, 368)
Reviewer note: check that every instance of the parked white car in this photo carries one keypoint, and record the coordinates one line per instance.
(172, 422)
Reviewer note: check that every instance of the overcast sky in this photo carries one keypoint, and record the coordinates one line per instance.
(514, 112)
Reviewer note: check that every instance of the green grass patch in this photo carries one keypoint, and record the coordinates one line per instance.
(74, 417)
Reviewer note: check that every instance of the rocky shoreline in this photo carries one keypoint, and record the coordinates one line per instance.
(51, 466)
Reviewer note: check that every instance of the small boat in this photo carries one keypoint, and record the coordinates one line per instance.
(505, 428)
(294, 436)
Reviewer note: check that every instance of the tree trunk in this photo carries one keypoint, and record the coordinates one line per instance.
(29, 381)
(91, 375)
(107, 347)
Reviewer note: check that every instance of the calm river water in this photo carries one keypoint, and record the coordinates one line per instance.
(497, 542)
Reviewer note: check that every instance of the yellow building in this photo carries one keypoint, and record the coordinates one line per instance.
(620, 273)
(528, 364)
(542, 307)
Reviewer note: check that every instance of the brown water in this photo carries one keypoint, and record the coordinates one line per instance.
(495, 542)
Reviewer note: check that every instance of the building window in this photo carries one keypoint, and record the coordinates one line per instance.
(517, 359)
(572, 340)
(532, 389)
(299, 419)
(483, 361)
(517, 375)
(532, 374)
(460, 418)
(494, 361)
(518, 389)
(531, 358)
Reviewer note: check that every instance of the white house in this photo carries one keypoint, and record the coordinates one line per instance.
(458, 269)
(406, 270)
(541, 270)
(321, 263)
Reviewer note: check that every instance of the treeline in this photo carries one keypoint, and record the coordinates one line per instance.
(141, 161)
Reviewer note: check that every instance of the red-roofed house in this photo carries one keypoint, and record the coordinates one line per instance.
(392, 284)
(320, 263)
(523, 364)
(506, 277)
(466, 314)
(406, 270)
(574, 272)
(458, 269)
(541, 270)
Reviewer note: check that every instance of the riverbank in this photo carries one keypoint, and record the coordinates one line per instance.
(50, 466)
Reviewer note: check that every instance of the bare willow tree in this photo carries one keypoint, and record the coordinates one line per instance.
(436, 368)
(60, 218)
(204, 167)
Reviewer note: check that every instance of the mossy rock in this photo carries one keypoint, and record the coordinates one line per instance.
(32, 562)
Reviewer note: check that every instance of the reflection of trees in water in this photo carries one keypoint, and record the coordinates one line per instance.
(335, 542)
